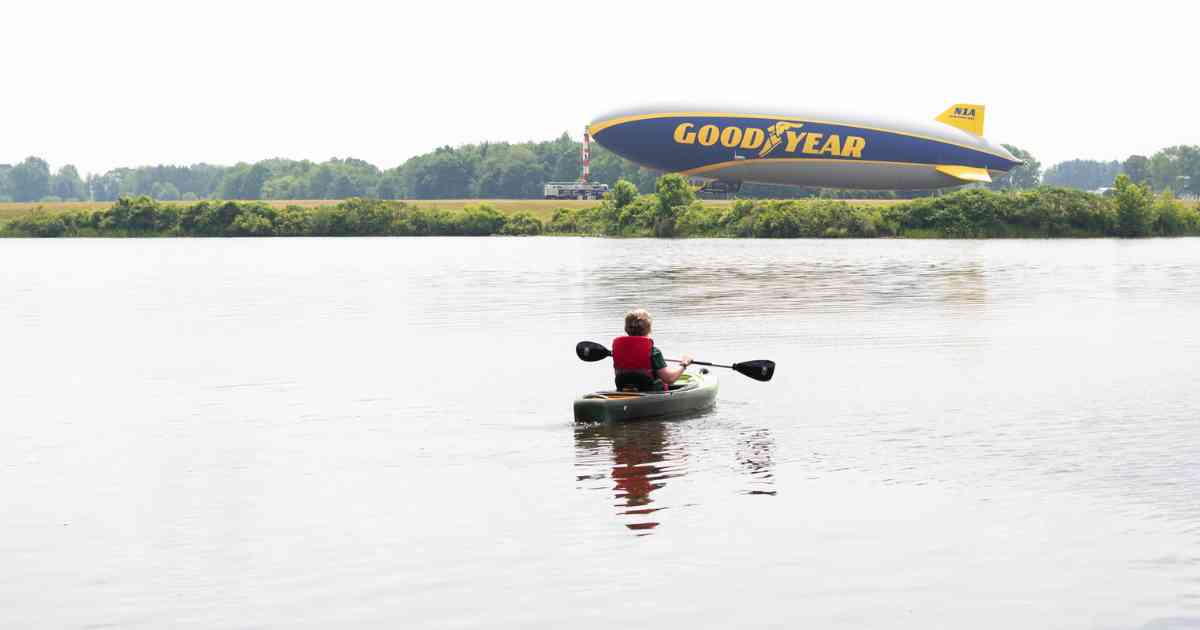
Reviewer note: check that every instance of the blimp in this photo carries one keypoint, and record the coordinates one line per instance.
(819, 149)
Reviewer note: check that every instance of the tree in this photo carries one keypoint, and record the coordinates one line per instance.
(1135, 207)
(1082, 174)
(66, 184)
(674, 194)
(5, 187)
(164, 191)
(30, 180)
(510, 172)
(1020, 177)
(1137, 167)
(1176, 168)
(107, 187)
(391, 185)
(245, 181)
(623, 193)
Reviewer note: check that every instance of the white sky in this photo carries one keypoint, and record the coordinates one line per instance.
(124, 83)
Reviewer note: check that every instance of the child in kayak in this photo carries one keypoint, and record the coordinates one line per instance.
(638, 363)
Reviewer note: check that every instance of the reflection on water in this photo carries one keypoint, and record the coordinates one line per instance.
(633, 460)
(755, 456)
(642, 461)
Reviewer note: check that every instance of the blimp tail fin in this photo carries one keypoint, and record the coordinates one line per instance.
(967, 117)
(966, 173)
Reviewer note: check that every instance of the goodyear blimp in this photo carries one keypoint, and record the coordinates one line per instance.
(808, 148)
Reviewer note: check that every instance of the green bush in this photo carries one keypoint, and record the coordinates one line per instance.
(293, 221)
(1131, 210)
(38, 224)
(252, 224)
(354, 217)
(522, 224)
(674, 194)
(699, 220)
(422, 222)
(637, 218)
(623, 193)
(1136, 211)
(139, 215)
(1172, 218)
(208, 218)
(563, 221)
(479, 220)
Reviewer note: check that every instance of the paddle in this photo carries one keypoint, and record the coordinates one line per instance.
(759, 369)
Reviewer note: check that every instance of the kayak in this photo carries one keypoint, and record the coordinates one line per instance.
(690, 394)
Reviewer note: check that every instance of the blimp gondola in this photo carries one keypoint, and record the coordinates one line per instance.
(819, 149)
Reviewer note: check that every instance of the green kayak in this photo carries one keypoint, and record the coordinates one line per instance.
(691, 393)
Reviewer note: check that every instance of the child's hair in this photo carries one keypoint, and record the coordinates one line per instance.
(637, 322)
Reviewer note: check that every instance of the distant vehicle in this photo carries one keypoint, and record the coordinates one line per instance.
(574, 190)
(807, 148)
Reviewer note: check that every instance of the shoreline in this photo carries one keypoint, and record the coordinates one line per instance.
(672, 212)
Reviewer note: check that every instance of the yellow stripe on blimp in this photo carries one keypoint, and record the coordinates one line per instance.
(708, 168)
(596, 128)
(966, 173)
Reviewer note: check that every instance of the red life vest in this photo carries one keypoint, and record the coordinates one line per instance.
(631, 355)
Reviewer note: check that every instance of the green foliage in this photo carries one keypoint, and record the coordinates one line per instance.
(1137, 167)
(29, 180)
(1022, 177)
(422, 222)
(293, 221)
(522, 224)
(1176, 169)
(1173, 218)
(6, 192)
(818, 218)
(353, 217)
(165, 191)
(38, 224)
(623, 193)
(1136, 212)
(1132, 210)
(66, 184)
(563, 221)
(1082, 174)
(674, 194)
(252, 223)
(700, 220)
(139, 215)
(480, 220)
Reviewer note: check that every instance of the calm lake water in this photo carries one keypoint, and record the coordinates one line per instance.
(377, 433)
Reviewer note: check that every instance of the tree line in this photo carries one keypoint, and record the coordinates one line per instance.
(486, 170)
(507, 171)
(1175, 169)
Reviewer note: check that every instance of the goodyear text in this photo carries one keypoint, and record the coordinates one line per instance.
(789, 135)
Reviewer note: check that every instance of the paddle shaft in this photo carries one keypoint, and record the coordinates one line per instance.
(703, 363)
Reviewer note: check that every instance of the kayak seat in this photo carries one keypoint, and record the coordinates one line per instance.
(637, 382)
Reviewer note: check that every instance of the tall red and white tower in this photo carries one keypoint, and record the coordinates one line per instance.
(587, 156)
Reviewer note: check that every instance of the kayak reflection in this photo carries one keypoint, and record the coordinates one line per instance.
(634, 460)
(642, 461)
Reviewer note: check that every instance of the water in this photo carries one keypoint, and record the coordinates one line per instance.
(376, 433)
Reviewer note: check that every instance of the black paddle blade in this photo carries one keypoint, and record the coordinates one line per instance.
(591, 351)
(760, 370)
